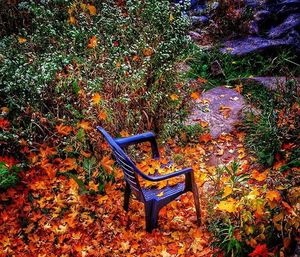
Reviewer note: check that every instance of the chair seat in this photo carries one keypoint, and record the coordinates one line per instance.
(151, 194)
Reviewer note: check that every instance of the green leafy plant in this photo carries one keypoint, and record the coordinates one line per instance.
(8, 176)
(270, 123)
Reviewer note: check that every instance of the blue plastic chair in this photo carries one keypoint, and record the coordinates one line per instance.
(153, 203)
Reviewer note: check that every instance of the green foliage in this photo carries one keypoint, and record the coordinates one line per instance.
(132, 63)
(8, 176)
(269, 128)
(226, 241)
(68, 52)
(282, 62)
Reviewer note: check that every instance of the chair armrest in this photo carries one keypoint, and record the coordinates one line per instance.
(168, 176)
(140, 138)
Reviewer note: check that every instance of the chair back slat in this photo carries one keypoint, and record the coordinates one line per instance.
(124, 162)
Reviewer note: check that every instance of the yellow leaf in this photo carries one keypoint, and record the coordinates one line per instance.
(160, 194)
(96, 98)
(92, 42)
(229, 205)
(174, 97)
(92, 9)
(220, 152)
(101, 199)
(171, 17)
(83, 6)
(72, 20)
(239, 88)
(195, 95)
(22, 40)
(249, 230)
(125, 246)
(227, 191)
(118, 65)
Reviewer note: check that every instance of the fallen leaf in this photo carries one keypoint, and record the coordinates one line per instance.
(63, 130)
(273, 195)
(96, 98)
(107, 163)
(86, 125)
(205, 138)
(174, 97)
(102, 115)
(92, 42)
(72, 20)
(92, 9)
(227, 191)
(22, 40)
(160, 194)
(195, 95)
(229, 205)
(147, 52)
(260, 176)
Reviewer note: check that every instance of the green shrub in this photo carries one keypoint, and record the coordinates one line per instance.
(111, 63)
(131, 63)
(8, 176)
(272, 124)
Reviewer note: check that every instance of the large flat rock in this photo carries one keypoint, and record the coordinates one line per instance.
(258, 44)
(220, 107)
(273, 83)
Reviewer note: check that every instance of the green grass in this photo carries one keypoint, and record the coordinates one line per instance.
(280, 63)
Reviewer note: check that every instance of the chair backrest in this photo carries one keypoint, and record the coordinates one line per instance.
(124, 162)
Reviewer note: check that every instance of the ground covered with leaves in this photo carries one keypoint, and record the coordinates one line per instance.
(49, 214)
(68, 66)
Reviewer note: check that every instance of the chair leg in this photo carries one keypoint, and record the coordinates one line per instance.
(127, 196)
(197, 203)
(148, 216)
(154, 216)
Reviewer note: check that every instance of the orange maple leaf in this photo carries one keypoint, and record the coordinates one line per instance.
(86, 125)
(22, 40)
(68, 164)
(63, 130)
(205, 138)
(92, 9)
(239, 88)
(195, 95)
(107, 163)
(124, 133)
(96, 98)
(135, 58)
(259, 176)
(102, 116)
(92, 42)
(147, 52)
(174, 97)
(72, 20)
(47, 151)
(273, 195)
(201, 80)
